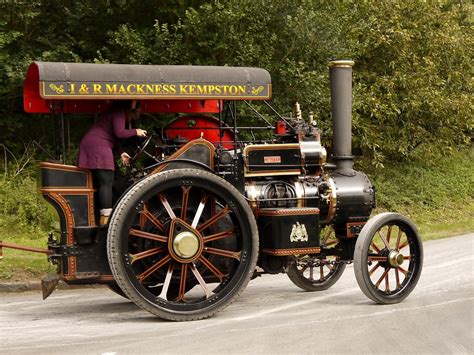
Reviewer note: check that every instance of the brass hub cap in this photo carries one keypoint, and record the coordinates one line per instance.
(186, 245)
(395, 258)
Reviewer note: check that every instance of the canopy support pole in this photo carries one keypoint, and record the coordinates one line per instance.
(63, 139)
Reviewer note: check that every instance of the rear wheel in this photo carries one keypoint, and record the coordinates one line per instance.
(182, 244)
(116, 289)
(388, 258)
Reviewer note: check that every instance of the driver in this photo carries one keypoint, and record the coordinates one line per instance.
(97, 147)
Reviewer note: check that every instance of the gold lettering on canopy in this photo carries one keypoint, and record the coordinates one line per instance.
(154, 90)
(59, 89)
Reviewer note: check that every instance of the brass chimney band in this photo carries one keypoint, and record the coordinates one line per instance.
(341, 63)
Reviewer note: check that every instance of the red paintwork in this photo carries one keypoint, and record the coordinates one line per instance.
(34, 103)
(280, 127)
(207, 125)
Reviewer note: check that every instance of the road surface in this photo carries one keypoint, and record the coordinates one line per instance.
(272, 316)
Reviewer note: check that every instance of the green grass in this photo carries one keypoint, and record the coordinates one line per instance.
(438, 196)
(17, 264)
(25, 219)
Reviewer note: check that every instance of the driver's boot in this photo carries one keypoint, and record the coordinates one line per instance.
(104, 216)
(104, 220)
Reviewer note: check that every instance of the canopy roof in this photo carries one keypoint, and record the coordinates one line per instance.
(201, 86)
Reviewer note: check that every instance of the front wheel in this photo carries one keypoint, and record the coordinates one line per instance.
(316, 273)
(388, 258)
(182, 244)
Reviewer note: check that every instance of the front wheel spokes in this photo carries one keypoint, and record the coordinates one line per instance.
(376, 258)
(399, 237)
(372, 244)
(166, 284)
(404, 272)
(382, 277)
(371, 271)
(389, 233)
(384, 241)
(201, 281)
(403, 245)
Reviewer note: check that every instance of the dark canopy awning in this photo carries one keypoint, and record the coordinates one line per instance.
(82, 81)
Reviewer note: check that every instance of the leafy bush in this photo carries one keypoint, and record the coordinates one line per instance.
(412, 79)
(22, 205)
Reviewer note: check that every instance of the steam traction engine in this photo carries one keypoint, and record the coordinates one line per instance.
(213, 211)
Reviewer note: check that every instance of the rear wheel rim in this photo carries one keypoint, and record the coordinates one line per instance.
(187, 279)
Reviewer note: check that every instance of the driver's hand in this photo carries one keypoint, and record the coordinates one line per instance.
(141, 132)
(125, 159)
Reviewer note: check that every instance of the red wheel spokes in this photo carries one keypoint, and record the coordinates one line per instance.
(331, 243)
(167, 206)
(201, 281)
(309, 266)
(146, 253)
(184, 201)
(217, 236)
(182, 282)
(384, 240)
(397, 277)
(211, 267)
(405, 272)
(222, 213)
(166, 284)
(222, 252)
(147, 235)
(372, 244)
(371, 271)
(382, 259)
(387, 284)
(382, 277)
(399, 237)
(199, 211)
(403, 245)
(144, 275)
(145, 212)
(217, 213)
(389, 232)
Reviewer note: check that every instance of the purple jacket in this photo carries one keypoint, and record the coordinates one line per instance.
(97, 145)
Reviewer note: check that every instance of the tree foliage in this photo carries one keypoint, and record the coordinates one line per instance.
(412, 80)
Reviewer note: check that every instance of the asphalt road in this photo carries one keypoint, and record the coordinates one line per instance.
(272, 316)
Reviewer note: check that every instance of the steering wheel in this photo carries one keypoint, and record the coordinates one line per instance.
(140, 149)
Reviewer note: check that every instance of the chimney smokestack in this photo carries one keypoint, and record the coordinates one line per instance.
(340, 76)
